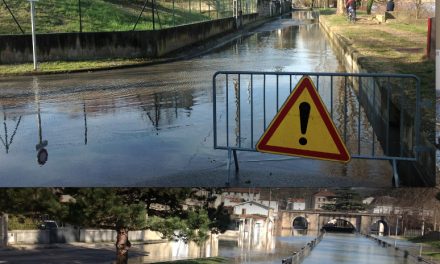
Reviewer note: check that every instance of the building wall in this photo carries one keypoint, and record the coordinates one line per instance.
(250, 209)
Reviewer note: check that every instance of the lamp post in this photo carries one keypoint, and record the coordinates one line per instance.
(34, 41)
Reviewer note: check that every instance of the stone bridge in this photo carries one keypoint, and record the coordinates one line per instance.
(362, 222)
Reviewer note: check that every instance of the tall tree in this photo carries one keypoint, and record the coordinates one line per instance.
(340, 7)
(35, 203)
(346, 200)
(108, 208)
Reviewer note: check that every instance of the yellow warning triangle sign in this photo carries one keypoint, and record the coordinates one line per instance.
(303, 127)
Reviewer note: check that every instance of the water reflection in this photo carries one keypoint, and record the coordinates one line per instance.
(152, 125)
(5, 139)
(351, 248)
(42, 154)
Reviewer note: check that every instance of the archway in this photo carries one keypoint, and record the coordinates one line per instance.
(379, 228)
(339, 225)
(300, 223)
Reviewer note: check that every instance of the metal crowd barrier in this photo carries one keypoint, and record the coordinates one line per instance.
(377, 115)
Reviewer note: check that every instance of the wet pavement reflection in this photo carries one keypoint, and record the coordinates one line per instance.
(153, 125)
(334, 248)
(352, 248)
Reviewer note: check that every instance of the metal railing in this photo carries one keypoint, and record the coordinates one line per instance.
(377, 115)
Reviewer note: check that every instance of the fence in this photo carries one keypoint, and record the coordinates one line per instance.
(114, 15)
(298, 257)
(378, 115)
(413, 253)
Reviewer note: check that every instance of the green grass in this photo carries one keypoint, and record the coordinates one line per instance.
(66, 66)
(430, 242)
(213, 260)
(22, 223)
(414, 27)
(397, 47)
(102, 15)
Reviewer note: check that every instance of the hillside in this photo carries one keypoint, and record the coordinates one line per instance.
(105, 15)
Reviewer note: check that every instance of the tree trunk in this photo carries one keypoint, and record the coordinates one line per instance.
(122, 246)
(3, 230)
(340, 7)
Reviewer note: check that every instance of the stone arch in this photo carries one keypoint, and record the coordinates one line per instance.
(300, 223)
(380, 227)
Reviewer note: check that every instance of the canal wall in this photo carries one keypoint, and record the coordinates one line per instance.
(400, 252)
(298, 257)
(109, 45)
(386, 118)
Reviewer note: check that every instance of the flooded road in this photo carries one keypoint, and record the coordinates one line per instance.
(259, 249)
(334, 248)
(152, 126)
(351, 248)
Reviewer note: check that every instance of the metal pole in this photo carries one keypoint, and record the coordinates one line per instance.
(174, 16)
(152, 10)
(437, 48)
(80, 16)
(140, 15)
(34, 41)
(13, 17)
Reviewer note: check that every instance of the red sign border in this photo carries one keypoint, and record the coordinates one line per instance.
(304, 83)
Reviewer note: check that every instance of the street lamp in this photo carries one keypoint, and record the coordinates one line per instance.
(34, 41)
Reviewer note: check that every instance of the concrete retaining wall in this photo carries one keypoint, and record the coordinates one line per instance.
(67, 235)
(420, 173)
(60, 235)
(106, 235)
(108, 45)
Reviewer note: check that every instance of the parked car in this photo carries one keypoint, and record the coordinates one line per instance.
(49, 224)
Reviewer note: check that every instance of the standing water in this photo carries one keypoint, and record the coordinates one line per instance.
(153, 125)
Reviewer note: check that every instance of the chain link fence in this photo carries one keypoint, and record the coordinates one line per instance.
(54, 16)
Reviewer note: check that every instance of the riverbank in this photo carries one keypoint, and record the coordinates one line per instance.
(396, 46)
(429, 242)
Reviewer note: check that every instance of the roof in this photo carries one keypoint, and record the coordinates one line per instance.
(297, 200)
(252, 202)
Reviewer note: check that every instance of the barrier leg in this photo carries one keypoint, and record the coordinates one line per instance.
(395, 174)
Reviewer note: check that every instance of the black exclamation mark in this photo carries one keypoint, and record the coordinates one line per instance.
(304, 111)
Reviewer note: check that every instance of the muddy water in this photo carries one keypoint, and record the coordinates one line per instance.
(153, 125)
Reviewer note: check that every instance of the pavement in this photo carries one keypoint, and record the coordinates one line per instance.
(83, 253)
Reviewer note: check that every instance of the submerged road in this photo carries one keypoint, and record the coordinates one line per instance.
(351, 248)
(152, 126)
